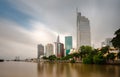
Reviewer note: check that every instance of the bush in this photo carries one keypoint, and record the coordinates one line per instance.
(88, 60)
(52, 57)
(111, 56)
(44, 57)
(118, 55)
(72, 61)
(99, 59)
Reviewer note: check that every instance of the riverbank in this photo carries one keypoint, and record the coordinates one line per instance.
(68, 61)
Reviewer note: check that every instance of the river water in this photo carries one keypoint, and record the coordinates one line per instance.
(27, 69)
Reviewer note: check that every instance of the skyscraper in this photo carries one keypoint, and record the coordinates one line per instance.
(59, 48)
(40, 50)
(83, 31)
(68, 44)
(56, 45)
(49, 49)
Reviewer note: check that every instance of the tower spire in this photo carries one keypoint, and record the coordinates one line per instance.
(76, 10)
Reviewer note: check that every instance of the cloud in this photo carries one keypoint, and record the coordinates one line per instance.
(14, 40)
(60, 15)
(17, 41)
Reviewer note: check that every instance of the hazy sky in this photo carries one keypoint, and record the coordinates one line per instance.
(26, 23)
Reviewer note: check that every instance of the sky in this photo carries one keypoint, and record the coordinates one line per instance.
(26, 23)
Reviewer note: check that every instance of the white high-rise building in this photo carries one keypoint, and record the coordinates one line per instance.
(49, 50)
(83, 31)
(56, 45)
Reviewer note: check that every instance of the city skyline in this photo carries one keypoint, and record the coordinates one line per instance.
(26, 23)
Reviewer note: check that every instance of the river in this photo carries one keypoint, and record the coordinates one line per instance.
(28, 69)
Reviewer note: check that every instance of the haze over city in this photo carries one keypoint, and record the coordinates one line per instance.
(26, 23)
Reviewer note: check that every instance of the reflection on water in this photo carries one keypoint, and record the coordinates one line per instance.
(24, 69)
(18, 69)
(77, 70)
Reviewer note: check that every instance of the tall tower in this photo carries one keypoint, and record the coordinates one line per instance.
(83, 31)
(56, 45)
(68, 44)
(59, 48)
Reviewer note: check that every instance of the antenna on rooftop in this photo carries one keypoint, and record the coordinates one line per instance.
(76, 10)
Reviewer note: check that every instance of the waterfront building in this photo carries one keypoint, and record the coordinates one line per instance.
(40, 50)
(59, 48)
(68, 44)
(49, 50)
(62, 50)
(83, 31)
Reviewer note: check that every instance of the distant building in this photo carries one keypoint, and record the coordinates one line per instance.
(73, 50)
(40, 50)
(68, 44)
(83, 31)
(103, 44)
(59, 48)
(107, 42)
(62, 50)
(49, 50)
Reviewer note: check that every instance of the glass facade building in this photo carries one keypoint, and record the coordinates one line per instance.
(68, 44)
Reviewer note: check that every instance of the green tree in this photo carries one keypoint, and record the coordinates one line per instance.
(85, 54)
(118, 55)
(76, 55)
(81, 55)
(99, 59)
(84, 50)
(88, 59)
(52, 57)
(73, 61)
(105, 49)
(44, 57)
(67, 57)
(94, 52)
(111, 56)
(116, 40)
